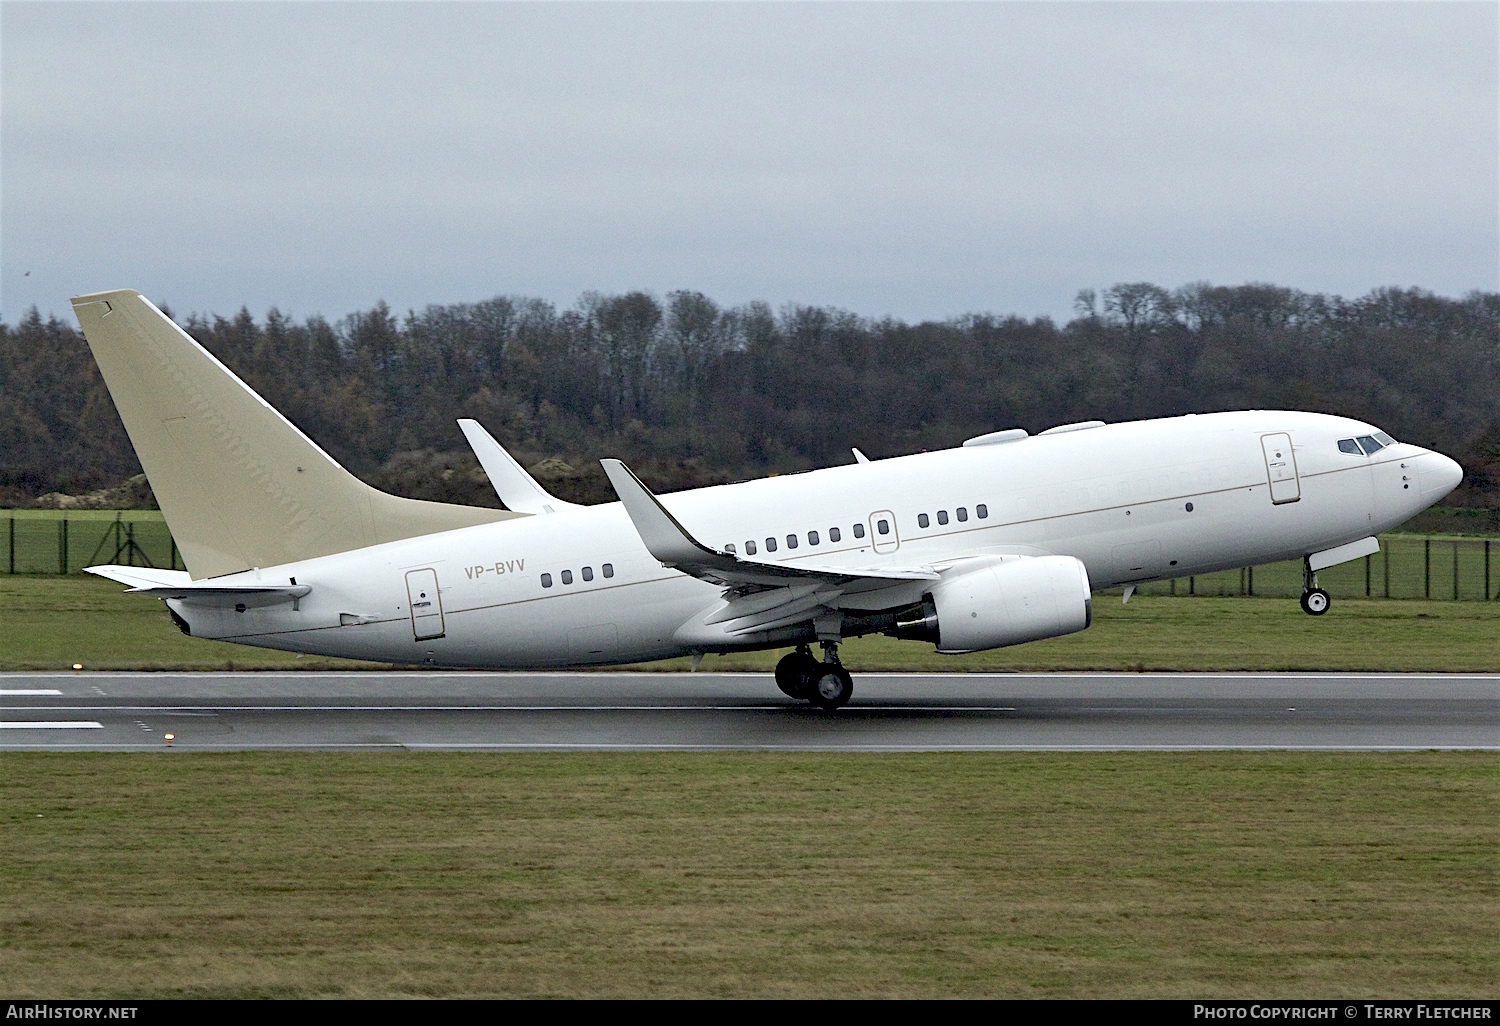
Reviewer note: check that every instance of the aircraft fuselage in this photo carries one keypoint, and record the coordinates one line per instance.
(1133, 502)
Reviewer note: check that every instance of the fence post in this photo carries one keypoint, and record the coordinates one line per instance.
(1250, 581)
(1427, 568)
(1192, 581)
(1486, 567)
(1367, 577)
(130, 543)
(62, 546)
(1242, 581)
(13, 554)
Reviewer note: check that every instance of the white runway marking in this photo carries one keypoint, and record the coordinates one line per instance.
(50, 725)
(29, 691)
(213, 710)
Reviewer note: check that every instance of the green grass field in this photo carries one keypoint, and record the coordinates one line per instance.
(1026, 875)
(49, 623)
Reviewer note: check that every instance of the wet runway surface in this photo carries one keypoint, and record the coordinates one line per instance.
(663, 711)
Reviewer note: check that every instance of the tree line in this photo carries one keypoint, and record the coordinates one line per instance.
(692, 392)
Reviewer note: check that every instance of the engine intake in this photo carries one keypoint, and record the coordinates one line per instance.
(1005, 603)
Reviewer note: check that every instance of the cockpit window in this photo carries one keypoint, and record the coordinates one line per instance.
(1384, 438)
(1350, 446)
(1371, 446)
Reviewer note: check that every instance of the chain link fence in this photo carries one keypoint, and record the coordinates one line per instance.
(64, 542)
(1407, 566)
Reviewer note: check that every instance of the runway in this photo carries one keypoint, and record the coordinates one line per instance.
(679, 711)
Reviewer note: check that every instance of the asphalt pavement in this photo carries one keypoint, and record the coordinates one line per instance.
(679, 711)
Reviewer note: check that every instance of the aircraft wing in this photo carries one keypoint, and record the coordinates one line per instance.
(670, 542)
(178, 584)
(516, 488)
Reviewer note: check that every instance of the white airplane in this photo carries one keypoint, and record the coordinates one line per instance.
(997, 542)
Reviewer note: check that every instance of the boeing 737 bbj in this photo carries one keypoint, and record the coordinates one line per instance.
(998, 542)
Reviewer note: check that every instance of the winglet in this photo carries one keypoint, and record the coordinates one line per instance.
(516, 488)
(666, 539)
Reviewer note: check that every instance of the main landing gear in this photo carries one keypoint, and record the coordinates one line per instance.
(825, 684)
(1315, 600)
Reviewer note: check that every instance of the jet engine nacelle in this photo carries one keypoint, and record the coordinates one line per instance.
(1003, 603)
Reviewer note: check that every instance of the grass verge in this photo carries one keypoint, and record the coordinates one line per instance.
(773, 874)
(49, 623)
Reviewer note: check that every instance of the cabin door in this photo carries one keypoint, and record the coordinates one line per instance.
(1281, 468)
(426, 605)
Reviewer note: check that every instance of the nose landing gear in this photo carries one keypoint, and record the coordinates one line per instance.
(1315, 600)
(825, 684)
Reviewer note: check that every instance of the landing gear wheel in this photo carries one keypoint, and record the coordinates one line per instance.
(1315, 602)
(833, 686)
(796, 674)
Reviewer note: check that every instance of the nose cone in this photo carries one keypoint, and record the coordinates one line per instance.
(1440, 475)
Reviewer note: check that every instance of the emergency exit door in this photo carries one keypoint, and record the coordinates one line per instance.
(883, 536)
(1281, 468)
(426, 606)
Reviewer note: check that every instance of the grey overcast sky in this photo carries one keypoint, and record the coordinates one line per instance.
(918, 160)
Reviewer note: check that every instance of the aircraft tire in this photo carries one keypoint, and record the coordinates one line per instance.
(1315, 602)
(833, 687)
(796, 675)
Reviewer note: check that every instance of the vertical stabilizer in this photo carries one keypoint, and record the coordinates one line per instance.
(239, 485)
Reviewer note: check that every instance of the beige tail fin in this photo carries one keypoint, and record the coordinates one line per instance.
(239, 485)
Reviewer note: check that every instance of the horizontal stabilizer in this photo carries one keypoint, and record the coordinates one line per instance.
(671, 544)
(178, 584)
(141, 576)
(516, 488)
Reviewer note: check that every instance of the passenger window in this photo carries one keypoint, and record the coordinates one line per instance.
(833, 534)
(546, 580)
(770, 544)
(567, 576)
(791, 541)
(730, 548)
(921, 521)
(812, 537)
(942, 516)
(1350, 446)
(749, 548)
(859, 530)
(982, 511)
(609, 569)
(963, 514)
(1384, 438)
(1371, 446)
(588, 573)
(883, 526)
